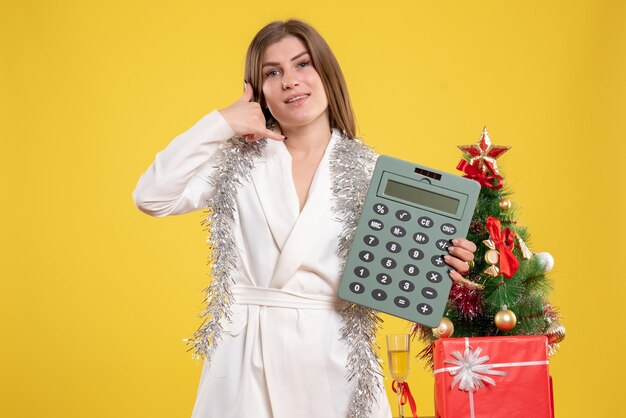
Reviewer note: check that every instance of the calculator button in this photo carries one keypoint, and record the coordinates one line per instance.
(398, 231)
(448, 229)
(437, 260)
(366, 256)
(383, 278)
(406, 285)
(381, 209)
(434, 277)
(375, 224)
(403, 215)
(361, 272)
(379, 294)
(416, 254)
(420, 238)
(425, 222)
(401, 302)
(370, 240)
(411, 270)
(443, 244)
(393, 247)
(389, 263)
(357, 287)
(424, 309)
(429, 293)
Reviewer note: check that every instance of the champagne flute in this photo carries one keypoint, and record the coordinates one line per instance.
(398, 353)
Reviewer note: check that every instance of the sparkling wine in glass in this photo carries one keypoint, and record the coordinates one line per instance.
(398, 353)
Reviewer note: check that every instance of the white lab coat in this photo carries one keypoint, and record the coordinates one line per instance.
(281, 356)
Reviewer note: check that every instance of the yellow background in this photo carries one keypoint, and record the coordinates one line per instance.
(96, 297)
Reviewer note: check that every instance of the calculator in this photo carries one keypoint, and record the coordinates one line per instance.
(410, 214)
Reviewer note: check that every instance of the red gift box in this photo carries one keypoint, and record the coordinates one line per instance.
(492, 377)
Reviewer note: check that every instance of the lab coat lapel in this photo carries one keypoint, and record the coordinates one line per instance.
(310, 225)
(273, 183)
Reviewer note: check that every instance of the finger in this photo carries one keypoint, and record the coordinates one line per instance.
(455, 276)
(459, 265)
(247, 93)
(461, 253)
(265, 133)
(464, 243)
(273, 135)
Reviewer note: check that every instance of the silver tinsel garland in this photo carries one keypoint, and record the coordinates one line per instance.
(236, 164)
(351, 166)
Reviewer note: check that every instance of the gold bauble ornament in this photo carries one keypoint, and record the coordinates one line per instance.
(555, 332)
(505, 319)
(505, 204)
(492, 257)
(445, 328)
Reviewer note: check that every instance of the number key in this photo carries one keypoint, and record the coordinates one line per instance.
(357, 288)
(366, 256)
(370, 240)
(389, 263)
(393, 247)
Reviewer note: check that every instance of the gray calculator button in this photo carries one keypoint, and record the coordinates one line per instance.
(434, 277)
(398, 231)
(403, 215)
(357, 287)
(401, 302)
(425, 222)
(393, 247)
(379, 294)
(416, 254)
(366, 256)
(383, 278)
(370, 240)
(381, 209)
(448, 229)
(361, 272)
(389, 263)
(443, 244)
(375, 224)
(429, 293)
(420, 238)
(424, 309)
(437, 260)
(411, 270)
(406, 285)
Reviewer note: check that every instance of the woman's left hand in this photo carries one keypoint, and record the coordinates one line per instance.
(461, 253)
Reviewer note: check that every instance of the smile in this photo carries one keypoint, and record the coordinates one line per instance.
(296, 98)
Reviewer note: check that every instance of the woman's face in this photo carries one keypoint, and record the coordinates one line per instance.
(293, 90)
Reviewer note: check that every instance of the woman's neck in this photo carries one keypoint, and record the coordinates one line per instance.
(309, 139)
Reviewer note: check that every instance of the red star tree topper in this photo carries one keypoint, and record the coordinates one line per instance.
(482, 155)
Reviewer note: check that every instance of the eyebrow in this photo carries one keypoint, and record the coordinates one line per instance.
(293, 59)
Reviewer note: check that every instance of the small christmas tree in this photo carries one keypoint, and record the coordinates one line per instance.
(505, 292)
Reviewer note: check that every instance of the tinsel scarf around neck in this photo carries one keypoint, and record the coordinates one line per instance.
(351, 166)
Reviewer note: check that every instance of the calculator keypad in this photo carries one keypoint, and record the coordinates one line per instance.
(414, 287)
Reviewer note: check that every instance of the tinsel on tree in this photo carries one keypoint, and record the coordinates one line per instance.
(506, 290)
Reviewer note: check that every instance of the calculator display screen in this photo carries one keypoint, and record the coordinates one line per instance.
(422, 197)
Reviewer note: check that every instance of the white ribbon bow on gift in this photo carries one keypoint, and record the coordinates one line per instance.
(470, 370)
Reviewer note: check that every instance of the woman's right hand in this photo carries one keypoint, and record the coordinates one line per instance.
(246, 118)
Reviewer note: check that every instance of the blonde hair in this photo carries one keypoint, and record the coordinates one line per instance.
(340, 110)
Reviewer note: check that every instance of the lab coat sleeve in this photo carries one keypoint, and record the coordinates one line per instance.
(177, 181)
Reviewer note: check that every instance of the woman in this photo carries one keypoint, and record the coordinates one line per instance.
(278, 342)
